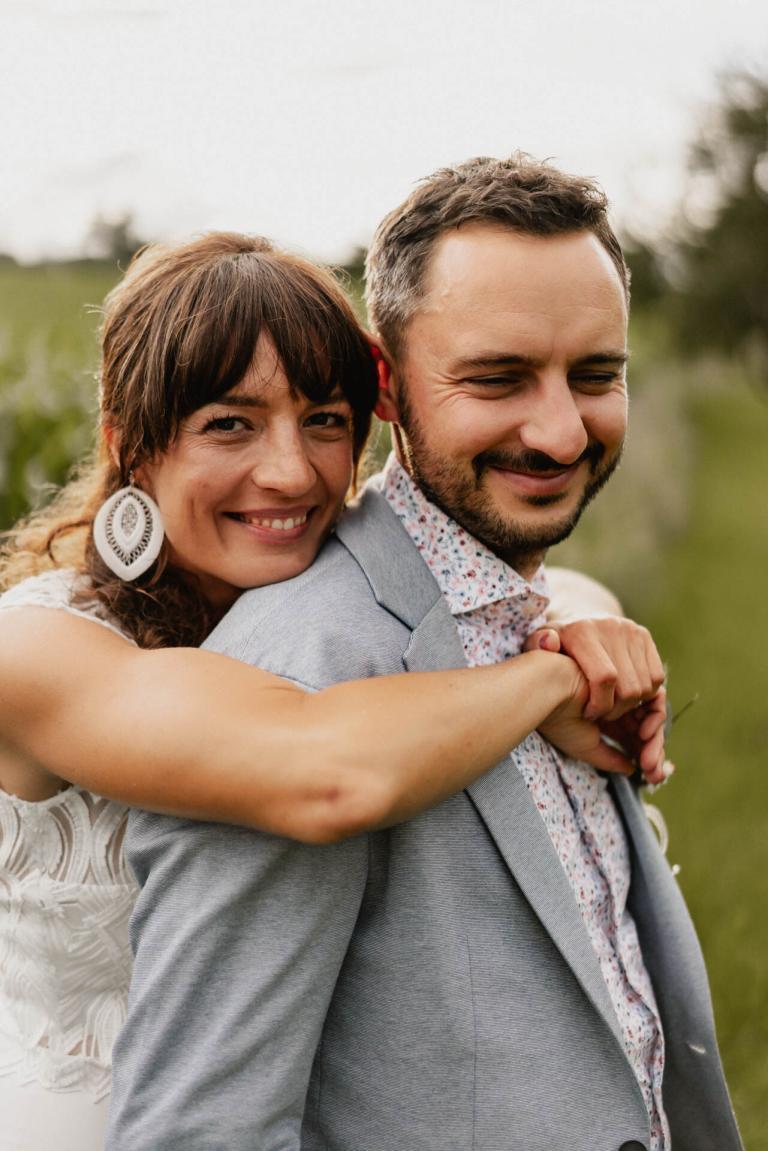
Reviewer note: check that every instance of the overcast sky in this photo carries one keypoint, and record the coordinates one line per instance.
(308, 119)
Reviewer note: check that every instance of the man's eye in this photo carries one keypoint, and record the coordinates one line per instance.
(595, 380)
(494, 381)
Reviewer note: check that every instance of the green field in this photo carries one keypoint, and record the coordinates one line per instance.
(713, 624)
(680, 534)
(706, 606)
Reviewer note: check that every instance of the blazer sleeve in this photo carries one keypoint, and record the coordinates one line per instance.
(239, 938)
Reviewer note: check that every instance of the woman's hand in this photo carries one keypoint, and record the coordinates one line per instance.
(570, 732)
(641, 732)
(617, 657)
(625, 698)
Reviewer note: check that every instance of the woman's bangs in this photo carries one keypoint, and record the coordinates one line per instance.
(217, 350)
(318, 343)
(321, 348)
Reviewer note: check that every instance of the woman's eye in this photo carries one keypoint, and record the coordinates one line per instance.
(225, 424)
(328, 420)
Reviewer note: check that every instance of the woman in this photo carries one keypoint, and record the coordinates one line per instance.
(236, 395)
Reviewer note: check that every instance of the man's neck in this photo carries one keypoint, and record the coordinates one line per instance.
(525, 564)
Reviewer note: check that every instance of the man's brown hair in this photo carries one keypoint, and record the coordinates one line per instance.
(520, 193)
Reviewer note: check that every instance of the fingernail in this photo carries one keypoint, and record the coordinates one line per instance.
(667, 768)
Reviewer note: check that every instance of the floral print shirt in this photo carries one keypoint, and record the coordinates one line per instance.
(495, 609)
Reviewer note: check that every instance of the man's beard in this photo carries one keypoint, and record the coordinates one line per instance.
(462, 495)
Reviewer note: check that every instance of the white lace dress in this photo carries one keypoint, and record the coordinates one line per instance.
(65, 898)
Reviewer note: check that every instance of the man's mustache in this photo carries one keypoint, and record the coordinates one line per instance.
(531, 461)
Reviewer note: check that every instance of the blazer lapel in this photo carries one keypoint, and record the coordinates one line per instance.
(508, 810)
(402, 583)
(673, 958)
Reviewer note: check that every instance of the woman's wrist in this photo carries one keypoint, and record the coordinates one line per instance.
(558, 678)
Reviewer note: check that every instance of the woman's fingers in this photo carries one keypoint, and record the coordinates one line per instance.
(617, 657)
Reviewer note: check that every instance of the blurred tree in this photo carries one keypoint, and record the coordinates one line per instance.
(113, 239)
(719, 266)
(649, 282)
(352, 278)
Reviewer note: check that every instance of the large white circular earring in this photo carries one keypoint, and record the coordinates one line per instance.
(128, 532)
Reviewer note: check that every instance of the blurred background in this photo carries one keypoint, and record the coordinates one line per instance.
(155, 119)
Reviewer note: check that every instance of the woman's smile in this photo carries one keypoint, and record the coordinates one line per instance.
(254, 482)
(275, 525)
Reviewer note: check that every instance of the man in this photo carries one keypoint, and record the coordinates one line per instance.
(515, 969)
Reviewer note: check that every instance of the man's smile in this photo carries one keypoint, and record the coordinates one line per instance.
(552, 482)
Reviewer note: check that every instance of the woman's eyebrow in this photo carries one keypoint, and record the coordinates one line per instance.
(256, 400)
(241, 400)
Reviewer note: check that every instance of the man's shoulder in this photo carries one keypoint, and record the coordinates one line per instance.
(323, 626)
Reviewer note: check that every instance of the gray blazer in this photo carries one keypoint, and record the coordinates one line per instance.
(428, 988)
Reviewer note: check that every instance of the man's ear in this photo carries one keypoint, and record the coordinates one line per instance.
(386, 405)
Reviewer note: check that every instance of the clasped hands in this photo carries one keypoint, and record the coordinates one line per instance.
(618, 693)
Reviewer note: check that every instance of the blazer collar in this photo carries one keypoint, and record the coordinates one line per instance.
(400, 580)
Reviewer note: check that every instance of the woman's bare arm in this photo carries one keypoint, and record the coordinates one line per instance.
(196, 734)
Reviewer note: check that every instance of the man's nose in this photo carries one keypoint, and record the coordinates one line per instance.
(554, 424)
(282, 463)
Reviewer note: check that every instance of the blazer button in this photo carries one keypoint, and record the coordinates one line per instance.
(633, 1145)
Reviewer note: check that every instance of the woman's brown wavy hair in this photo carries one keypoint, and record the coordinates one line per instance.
(178, 332)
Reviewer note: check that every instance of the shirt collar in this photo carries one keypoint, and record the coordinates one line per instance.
(468, 573)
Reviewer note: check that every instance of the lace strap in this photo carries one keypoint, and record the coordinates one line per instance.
(56, 589)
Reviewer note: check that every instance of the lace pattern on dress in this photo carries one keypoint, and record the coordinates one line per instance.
(66, 895)
(57, 589)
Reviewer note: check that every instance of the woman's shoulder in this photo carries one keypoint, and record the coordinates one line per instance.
(63, 589)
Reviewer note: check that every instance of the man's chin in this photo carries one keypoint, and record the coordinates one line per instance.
(537, 522)
(535, 538)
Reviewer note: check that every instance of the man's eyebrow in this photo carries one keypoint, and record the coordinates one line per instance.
(492, 360)
(621, 357)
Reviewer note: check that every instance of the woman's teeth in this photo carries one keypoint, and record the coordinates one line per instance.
(276, 525)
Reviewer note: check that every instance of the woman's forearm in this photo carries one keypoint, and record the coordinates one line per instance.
(414, 740)
(196, 734)
(252, 749)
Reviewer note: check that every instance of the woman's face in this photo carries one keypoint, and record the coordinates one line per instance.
(253, 483)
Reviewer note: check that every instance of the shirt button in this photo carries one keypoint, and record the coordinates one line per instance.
(633, 1145)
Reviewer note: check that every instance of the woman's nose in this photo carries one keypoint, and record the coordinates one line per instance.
(283, 464)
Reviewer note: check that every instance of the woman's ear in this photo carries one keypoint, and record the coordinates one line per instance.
(112, 440)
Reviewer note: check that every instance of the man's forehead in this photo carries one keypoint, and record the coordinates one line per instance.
(489, 255)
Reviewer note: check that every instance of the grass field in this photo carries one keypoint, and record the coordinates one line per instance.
(682, 536)
(713, 626)
(48, 356)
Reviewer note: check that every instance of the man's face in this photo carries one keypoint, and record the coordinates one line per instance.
(511, 393)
